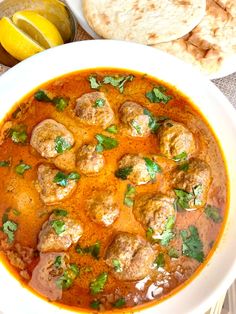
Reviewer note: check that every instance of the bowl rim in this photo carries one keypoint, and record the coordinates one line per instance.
(10, 91)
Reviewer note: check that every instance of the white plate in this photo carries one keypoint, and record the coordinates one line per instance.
(228, 67)
(220, 271)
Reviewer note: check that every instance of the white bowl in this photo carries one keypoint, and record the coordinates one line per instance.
(220, 271)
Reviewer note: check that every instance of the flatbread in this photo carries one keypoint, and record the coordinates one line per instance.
(228, 5)
(143, 21)
(213, 40)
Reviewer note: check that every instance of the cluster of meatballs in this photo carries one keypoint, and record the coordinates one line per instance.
(152, 210)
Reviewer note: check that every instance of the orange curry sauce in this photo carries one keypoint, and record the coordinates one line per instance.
(19, 192)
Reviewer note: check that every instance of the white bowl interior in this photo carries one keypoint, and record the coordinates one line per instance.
(220, 271)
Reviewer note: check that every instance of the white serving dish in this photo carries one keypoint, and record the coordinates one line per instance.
(219, 273)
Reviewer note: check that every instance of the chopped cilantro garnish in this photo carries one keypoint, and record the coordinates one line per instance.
(61, 145)
(118, 81)
(58, 226)
(119, 303)
(123, 173)
(136, 126)
(94, 83)
(105, 143)
(4, 163)
(168, 234)
(172, 252)
(192, 245)
(95, 304)
(18, 134)
(184, 166)
(9, 227)
(67, 279)
(129, 195)
(21, 168)
(213, 213)
(41, 95)
(180, 157)
(60, 212)
(153, 124)
(183, 198)
(93, 250)
(97, 285)
(57, 262)
(156, 95)
(99, 103)
(113, 129)
(116, 265)
(152, 167)
(149, 234)
(60, 103)
(62, 179)
(160, 260)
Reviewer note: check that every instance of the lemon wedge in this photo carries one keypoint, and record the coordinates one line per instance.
(16, 42)
(38, 28)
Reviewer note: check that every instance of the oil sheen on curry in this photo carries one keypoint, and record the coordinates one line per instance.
(113, 190)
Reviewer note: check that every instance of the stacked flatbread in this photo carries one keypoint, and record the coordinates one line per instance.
(201, 32)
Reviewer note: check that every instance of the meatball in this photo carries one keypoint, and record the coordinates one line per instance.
(130, 257)
(89, 161)
(47, 272)
(94, 109)
(136, 123)
(134, 168)
(153, 211)
(196, 179)
(58, 233)
(103, 209)
(50, 192)
(45, 135)
(175, 139)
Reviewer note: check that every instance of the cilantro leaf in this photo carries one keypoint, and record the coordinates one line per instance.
(129, 195)
(184, 166)
(119, 303)
(117, 265)
(118, 81)
(21, 168)
(136, 126)
(60, 103)
(213, 213)
(123, 173)
(156, 95)
(9, 227)
(192, 245)
(160, 260)
(58, 226)
(4, 163)
(99, 103)
(18, 134)
(97, 285)
(62, 179)
(153, 124)
(183, 198)
(166, 237)
(172, 252)
(41, 95)
(94, 250)
(152, 167)
(57, 262)
(66, 280)
(112, 129)
(105, 142)
(61, 144)
(149, 234)
(181, 157)
(94, 83)
(60, 212)
(95, 304)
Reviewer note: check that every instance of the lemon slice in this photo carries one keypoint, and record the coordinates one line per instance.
(38, 28)
(16, 42)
